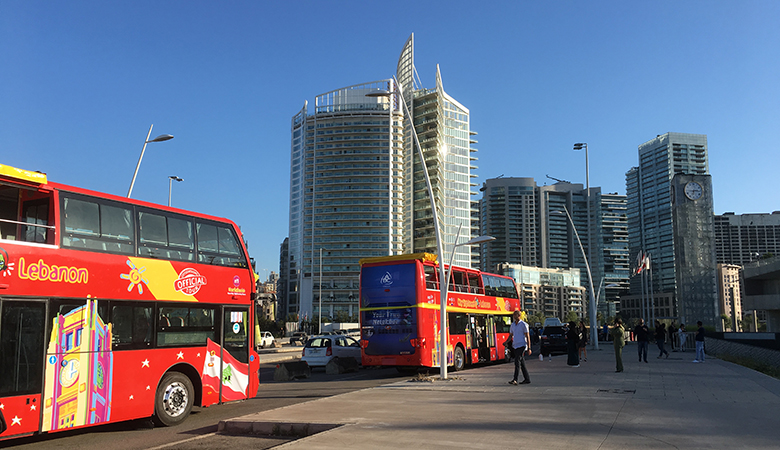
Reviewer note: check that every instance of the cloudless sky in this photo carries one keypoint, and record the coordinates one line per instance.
(82, 81)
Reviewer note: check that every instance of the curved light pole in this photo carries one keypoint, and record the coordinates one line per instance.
(171, 179)
(160, 138)
(592, 302)
(439, 247)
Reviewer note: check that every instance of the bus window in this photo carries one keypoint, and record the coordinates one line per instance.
(503, 323)
(218, 245)
(131, 326)
(507, 288)
(165, 237)
(459, 283)
(475, 287)
(431, 280)
(93, 225)
(36, 213)
(9, 211)
(185, 326)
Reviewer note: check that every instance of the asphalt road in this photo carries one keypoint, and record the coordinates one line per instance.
(197, 432)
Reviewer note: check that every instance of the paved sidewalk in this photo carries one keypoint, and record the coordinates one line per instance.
(668, 403)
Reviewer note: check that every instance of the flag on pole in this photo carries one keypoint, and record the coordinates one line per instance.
(640, 263)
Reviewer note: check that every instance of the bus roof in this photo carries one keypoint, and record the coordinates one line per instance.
(412, 256)
(23, 175)
(39, 179)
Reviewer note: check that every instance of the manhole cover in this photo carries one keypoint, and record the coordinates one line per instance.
(617, 391)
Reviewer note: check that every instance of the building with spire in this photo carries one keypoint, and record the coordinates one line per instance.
(357, 188)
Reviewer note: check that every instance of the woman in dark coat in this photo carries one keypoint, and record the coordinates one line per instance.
(572, 345)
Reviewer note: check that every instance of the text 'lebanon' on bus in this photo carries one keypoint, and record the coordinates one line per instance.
(400, 313)
(115, 309)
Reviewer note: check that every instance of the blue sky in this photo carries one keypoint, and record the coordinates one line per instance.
(82, 81)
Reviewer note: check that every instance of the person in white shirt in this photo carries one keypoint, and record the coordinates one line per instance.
(521, 344)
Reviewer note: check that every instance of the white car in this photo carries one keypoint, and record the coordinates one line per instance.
(319, 350)
(265, 339)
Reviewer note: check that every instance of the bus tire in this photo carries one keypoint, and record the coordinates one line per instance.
(173, 400)
(458, 359)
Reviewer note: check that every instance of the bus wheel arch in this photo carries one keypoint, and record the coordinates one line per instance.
(458, 358)
(178, 391)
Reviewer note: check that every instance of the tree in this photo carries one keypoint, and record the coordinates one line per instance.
(572, 316)
(726, 321)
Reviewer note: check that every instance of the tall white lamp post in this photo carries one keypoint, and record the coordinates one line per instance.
(439, 248)
(160, 138)
(592, 302)
(171, 179)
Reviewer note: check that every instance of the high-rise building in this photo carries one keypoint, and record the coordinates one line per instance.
(552, 292)
(357, 188)
(444, 128)
(744, 238)
(529, 228)
(730, 293)
(649, 194)
(346, 195)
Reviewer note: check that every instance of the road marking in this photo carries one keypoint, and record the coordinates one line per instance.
(183, 441)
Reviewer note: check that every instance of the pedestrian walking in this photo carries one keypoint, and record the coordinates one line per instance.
(619, 340)
(521, 344)
(682, 336)
(699, 343)
(672, 330)
(605, 330)
(581, 347)
(660, 336)
(572, 344)
(642, 335)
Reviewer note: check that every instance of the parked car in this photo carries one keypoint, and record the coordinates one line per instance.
(553, 340)
(265, 339)
(298, 338)
(319, 350)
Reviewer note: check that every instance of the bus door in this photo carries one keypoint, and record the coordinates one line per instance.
(22, 330)
(479, 339)
(235, 354)
(490, 328)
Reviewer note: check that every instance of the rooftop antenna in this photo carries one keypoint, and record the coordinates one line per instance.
(556, 179)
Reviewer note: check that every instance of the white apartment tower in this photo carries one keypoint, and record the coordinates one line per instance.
(357, 188)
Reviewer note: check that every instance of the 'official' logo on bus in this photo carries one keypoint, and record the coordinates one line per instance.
(189, 281)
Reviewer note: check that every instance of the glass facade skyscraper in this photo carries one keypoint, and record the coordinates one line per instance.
(522, 217)
(357, 188)
(648, 190)
(443, 127)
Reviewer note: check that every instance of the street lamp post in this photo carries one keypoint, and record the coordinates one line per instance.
(580, 146)
(171, 179)
(592, 302)
(160, 138)
(439, 247)
(319, 321)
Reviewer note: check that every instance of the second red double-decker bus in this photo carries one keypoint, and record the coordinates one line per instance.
(400, 313)
(114, 309)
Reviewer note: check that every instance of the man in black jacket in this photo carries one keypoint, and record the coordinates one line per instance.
(642, 336)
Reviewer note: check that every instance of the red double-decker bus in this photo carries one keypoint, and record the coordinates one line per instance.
(400, 313)
(114, 309)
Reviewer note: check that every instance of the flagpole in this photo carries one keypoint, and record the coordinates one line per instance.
(645, 315)
(650, 286)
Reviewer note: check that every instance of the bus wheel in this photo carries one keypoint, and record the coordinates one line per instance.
(458, 359)
(173, 401)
